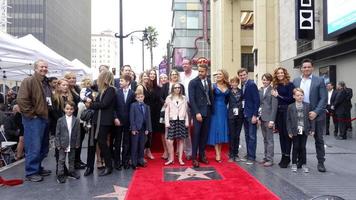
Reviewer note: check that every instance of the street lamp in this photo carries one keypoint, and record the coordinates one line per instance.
(144, 37)
(143, 49)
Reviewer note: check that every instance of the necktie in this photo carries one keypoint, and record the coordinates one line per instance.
(142, 108)
(205, 86)
(207, 92)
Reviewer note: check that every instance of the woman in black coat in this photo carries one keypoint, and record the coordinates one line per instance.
(103, 120)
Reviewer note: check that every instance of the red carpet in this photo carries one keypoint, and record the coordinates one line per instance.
(236, 183)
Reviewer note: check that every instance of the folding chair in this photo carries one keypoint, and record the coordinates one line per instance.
(7, 154)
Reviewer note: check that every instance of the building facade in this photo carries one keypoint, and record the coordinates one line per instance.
(191, 31)
(64, 26)
(232, 30)
(104, 51)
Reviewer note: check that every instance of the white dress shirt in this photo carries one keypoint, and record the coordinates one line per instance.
(69, 120)
(329, 96)
(305, 85)
(186, 79)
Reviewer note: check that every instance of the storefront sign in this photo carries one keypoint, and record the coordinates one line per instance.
(305, 19)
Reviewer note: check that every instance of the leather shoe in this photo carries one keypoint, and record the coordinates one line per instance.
(321, 167)
(134, 167)
(45, 172)
(79, 165)
(118, 167)
(34, 178)
(88, 171)
(105, 172)
(195, 164)
(204, 160)
(142, 165)
(126, 166)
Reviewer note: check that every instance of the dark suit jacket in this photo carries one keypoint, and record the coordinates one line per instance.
(62, 139)
(137, 119)
(197, 97)
(349, 95)
(269, 105)
(318, 95)
(292, 119)
(341, 103)
(333, 96)
(235, 102)
(122, 107)
(107, 106)
(251, 98)
(165, 90)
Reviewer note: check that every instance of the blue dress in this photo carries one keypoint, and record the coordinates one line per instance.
(218, 132)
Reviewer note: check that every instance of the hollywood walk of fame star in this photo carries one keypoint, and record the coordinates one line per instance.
(120, 193)
(191, 173)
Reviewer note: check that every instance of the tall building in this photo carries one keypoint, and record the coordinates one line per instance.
(64, 26)
(190, 37)
(104, 51)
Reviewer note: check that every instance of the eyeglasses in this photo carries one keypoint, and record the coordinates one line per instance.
(174, 74)
(176, 88)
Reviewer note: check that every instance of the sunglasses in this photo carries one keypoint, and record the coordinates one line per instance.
(176, 87)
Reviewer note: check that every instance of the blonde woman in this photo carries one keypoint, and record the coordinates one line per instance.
(103, 121)
(177, 122)
(218, 133)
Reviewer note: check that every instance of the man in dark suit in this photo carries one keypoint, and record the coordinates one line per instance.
(200, 98)
(250, 104)
(140, 121)
(126, 70)
(124, 98)
(329, 114)
(349, 95)
(316, 95)
(341, 107)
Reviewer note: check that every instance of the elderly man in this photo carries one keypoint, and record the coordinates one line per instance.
(34, 98)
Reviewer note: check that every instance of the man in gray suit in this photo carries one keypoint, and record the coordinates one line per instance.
(316, 95)
(268, 112)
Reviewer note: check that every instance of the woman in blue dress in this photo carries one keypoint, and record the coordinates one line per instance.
(218, 133)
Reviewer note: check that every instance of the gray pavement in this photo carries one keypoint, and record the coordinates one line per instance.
(340, 178)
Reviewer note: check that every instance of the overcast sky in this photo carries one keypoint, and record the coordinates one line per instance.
(138, 14)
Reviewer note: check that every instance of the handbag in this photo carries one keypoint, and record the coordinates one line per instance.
(87, 115)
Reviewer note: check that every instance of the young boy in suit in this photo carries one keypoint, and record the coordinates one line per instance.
(140, 122)
(299, 126)
(67, 140)
(124, 98)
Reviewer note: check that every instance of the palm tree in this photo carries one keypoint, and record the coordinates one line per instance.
(151, 41)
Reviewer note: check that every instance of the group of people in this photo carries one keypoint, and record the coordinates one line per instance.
(121, 115)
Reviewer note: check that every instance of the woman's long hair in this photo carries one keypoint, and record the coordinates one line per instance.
(58, 100)
(285, 80)
(72, 88)
(225, 77)
(105, 80)
(180, 91)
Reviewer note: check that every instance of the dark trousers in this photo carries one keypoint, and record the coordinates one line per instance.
(121, 145)
(299, 153)
(78, 151)
(200, 136)
(319, 140)
(62, 160)
(103, 134)
(235, 126)
(348, 117)
(91, 153)
(328, 116)
(137, 148)
(343, 125)
(250, 137)
(284, 139)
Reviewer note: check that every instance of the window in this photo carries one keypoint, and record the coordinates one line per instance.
(304, 45)
(247, 61)
(247, 20)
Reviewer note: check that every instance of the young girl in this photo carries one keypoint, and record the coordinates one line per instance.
(177, 122)
(299, 127)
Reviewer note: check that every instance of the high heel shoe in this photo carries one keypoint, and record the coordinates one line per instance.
(170, 162)
(181, 163)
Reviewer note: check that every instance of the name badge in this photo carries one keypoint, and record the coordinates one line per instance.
(300, 130)
(243, 103)
(49, 101)
(235, 111)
